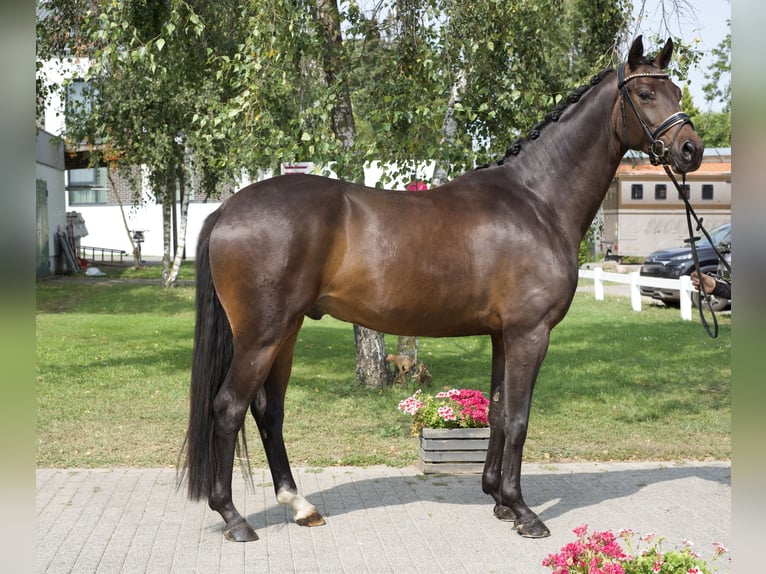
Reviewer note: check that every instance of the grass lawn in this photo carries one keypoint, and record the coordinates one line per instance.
(113, 362)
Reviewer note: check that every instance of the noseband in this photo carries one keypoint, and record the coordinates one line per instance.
(658, 151)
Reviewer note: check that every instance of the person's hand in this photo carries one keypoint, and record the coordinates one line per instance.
(708, 283)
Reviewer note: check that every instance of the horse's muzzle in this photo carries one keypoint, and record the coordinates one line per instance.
(687, 156)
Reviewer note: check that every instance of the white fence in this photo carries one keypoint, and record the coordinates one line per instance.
(635, 280)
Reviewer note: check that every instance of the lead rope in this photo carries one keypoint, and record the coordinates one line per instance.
(701, 294)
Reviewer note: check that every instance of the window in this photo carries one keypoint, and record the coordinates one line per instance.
(87, 186)
(637, 191)
(660, 191)
(707, 191)
(87, 196)
(79, 98)
(685, 190)
(84, 177)
(84, 186)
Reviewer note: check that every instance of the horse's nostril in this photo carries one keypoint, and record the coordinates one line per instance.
(688, 149)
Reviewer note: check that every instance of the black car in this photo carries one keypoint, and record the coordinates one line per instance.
(676, 261)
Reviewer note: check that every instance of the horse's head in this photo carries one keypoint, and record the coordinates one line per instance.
(651, 118)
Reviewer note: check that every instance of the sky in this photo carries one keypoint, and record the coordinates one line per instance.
(705, 21)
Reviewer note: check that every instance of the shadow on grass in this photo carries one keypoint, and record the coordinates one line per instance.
(113, 297)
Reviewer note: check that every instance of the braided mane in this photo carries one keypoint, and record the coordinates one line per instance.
(552, 116)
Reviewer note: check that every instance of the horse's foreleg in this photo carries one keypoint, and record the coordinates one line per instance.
(523, 356)
(268, 411)
(491, 478)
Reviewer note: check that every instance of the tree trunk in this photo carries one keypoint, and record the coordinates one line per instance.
(170, 280)
(137, 263)
(408, 346)
(371, 367)
(168, 198)
(449, 129)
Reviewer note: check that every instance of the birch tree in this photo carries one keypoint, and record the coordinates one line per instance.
(371, 367)
(149, 80)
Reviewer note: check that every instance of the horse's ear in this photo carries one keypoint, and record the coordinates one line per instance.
(636, 53)
(663, 58)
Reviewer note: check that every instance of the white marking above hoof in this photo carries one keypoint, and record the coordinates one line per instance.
(302, 508)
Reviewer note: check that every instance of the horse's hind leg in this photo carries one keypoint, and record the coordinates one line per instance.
(269, 413)
(244, 380)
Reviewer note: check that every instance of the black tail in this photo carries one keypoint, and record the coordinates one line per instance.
(213, 352)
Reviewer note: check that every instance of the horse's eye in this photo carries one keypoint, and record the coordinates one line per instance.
(645, 96)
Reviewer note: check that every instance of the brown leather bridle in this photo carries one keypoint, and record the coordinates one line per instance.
(659, 153)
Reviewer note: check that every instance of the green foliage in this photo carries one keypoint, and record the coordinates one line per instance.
(718, 87)
(596, 27)
(244, 85)
(587, 248)
(584, 253)
(714, 128)
(400, 61)
(687, 103)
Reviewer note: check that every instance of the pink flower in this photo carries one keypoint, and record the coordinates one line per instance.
(410, 405)
(465, 408)
(599, 553)
(580, 530)
(447, 413)
(475, 406)
(720, 548)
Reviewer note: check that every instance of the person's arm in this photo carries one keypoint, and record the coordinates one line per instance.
(711, 285)
(722, 289)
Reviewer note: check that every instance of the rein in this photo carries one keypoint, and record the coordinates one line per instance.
(690, 213)
(658, 155)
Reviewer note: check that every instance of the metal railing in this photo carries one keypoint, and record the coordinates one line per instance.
(103, 252)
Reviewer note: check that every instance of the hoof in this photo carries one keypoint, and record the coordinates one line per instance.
(313, 519)
(504, 513)
(533, 529)
(240, 531)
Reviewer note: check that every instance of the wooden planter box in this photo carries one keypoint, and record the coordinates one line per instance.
(453, 451)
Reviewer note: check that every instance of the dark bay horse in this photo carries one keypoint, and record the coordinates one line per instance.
(497, 255)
